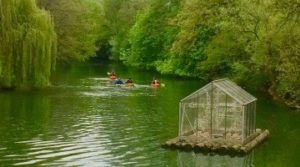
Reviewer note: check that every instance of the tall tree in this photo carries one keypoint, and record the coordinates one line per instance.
(27, 44)
(253, 42)
(77, 25)
(260, 39)
(118, 16)
(187, 49)
(151, 35)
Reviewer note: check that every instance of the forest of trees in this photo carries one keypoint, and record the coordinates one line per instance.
(256, 43)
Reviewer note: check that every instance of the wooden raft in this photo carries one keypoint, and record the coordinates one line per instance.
(204, 143)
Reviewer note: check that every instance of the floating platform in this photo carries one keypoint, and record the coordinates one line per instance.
(200, 141)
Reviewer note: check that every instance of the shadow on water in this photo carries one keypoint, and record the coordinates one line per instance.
(187, 159)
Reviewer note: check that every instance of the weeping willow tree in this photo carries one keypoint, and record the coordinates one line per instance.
(27, 45)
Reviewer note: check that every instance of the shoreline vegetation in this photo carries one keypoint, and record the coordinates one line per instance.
(254, 43)
(27, 45)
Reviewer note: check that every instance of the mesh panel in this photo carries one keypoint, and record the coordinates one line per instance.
(234, 119)
(249, 119)
(189, 116)
(204, 113)
(215, 110)
(227, 116)
(195, 114)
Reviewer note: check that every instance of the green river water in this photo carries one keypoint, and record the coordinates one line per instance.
(84, 120)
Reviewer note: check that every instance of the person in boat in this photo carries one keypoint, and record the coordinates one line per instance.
(154, 82)
(119, 81)
(129, 82)
(112, 75)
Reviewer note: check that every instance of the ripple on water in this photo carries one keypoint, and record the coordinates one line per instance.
(98, 137)
(64, 152)
(101, 87)
(2, 148)
(99, 79)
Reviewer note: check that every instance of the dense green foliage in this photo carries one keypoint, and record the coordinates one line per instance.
(117, 17)
(77, 24)
(187, 50)
(255, 42)
(258, 42)
(27, 44)
(149, 38)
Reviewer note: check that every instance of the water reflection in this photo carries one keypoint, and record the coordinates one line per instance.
(89, 122)
(23, 115)
(191, 159)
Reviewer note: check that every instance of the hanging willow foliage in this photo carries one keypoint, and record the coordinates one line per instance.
(27, 44)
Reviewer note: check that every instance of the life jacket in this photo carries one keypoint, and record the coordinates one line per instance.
(119, 82)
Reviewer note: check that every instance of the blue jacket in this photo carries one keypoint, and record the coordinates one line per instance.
(119, 81)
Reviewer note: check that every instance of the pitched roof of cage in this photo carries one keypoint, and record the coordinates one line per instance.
(227, 86)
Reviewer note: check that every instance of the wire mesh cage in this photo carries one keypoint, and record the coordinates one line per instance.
(219, 110)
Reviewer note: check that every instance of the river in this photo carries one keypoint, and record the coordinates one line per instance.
(84, 120)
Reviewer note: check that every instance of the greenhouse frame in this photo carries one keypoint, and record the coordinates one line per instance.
(219, 110)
